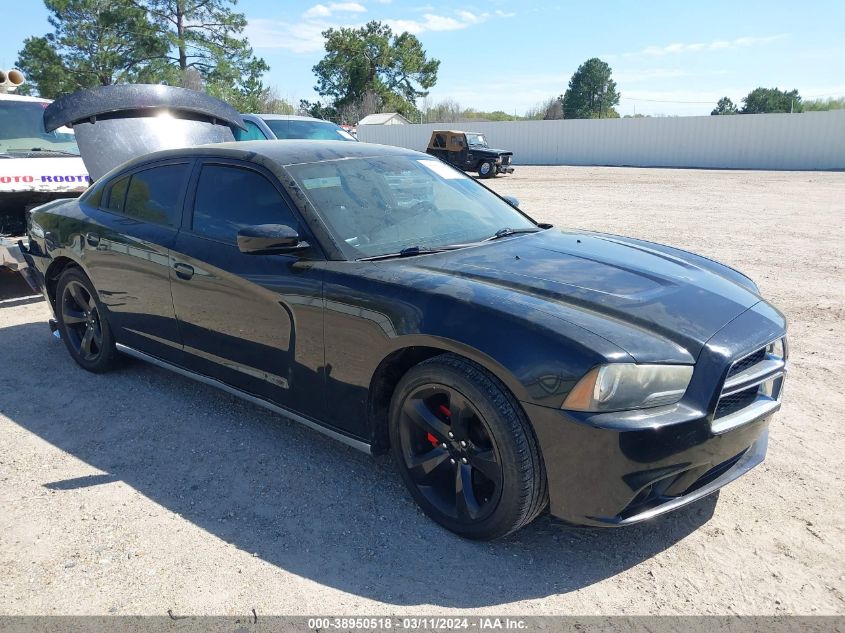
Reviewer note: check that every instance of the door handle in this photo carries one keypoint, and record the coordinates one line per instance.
(183, 271)
(92, 238)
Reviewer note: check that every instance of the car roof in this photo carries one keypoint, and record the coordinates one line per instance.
(286, 117)
(281, 152)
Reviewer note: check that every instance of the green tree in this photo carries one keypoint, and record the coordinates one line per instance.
(372, 59)
(763, 100)
(821, 105)
(318, 110)
(591, 93)
(94, 43)
(724, 106)
(206, 36)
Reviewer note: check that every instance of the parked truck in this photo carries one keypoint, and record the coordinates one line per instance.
(36, 166)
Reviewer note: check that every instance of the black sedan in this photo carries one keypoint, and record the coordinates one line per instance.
(390, 301)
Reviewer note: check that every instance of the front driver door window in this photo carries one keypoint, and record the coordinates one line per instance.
(253, 321)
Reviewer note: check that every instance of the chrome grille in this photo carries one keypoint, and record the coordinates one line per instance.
(752, 387)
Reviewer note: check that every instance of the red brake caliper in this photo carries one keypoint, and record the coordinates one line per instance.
(448, 414)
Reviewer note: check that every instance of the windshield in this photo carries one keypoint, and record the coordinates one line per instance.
(313, 130)
(382, 205)
(22, 130)
(477, 139)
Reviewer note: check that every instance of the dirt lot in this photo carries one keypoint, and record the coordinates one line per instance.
(141, 491)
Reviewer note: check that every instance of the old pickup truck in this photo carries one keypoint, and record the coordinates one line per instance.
(469, 151)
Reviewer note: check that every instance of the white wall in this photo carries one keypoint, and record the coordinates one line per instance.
(811, 140)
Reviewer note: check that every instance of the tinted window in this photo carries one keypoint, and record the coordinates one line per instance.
(117, 195)
(313, 130)
(153, 194)
(252, 133)
(439, 140)
(94, 196)
(229, 198)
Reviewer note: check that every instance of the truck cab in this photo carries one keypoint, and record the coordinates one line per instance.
(36, 166)
(469, 151)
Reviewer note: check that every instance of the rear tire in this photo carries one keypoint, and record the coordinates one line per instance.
(465, 449)
(82, 323)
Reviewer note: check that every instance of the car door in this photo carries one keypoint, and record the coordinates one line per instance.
(127, 254)
(458, 151)
(253, 321)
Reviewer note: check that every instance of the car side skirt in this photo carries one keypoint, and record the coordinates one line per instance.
(261, 402)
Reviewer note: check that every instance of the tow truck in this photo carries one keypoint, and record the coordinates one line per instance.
(36, 166)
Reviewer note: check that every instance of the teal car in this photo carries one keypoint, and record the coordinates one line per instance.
(260, 127)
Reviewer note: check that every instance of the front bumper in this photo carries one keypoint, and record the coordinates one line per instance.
(610, 470)
(11, 254)
(504, 169)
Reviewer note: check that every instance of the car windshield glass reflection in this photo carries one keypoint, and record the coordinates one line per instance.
(381, 205)
(312, 130)
(22, 130)
(477, 140)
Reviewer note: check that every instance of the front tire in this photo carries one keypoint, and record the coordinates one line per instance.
(487, 169)
(82, 323)
(465, 449)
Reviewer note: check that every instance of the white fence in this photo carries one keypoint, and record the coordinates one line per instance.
(810, 140)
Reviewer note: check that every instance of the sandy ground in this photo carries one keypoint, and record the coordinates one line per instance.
(140, 491)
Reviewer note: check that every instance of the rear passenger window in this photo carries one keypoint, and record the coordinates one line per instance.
(229, 198)
(153, 194)
(252, 133)
(117, 195)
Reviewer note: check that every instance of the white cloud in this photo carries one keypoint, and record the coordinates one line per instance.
(318, 10)
(434, 22)
(323, 11)
(679, 47)
(302, 37)
(306, 36)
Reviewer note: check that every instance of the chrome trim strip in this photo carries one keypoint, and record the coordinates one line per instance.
(213, 382)
(157, 339)
(754, 375)
(273, 379)
(254, 372)
(760, 408)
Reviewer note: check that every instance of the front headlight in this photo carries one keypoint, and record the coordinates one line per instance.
(777, 349)
(621, 386)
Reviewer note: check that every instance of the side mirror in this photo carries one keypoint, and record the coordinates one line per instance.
(269, 239)
(511, 201)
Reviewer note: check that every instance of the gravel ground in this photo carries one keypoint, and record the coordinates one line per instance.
(140, 491)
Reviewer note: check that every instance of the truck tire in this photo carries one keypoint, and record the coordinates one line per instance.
(487, 169)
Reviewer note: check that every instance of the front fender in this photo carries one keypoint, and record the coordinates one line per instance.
(538, 355)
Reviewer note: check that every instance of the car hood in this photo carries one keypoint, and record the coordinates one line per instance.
(628, 291)
(489, 151)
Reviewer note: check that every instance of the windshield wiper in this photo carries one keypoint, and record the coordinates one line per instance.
(412, 251)
(509, 231)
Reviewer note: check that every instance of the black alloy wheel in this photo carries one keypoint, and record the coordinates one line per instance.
(84, 329)
(465, 449)
(449, 453)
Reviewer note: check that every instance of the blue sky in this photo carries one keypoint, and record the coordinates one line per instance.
(674, 58)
